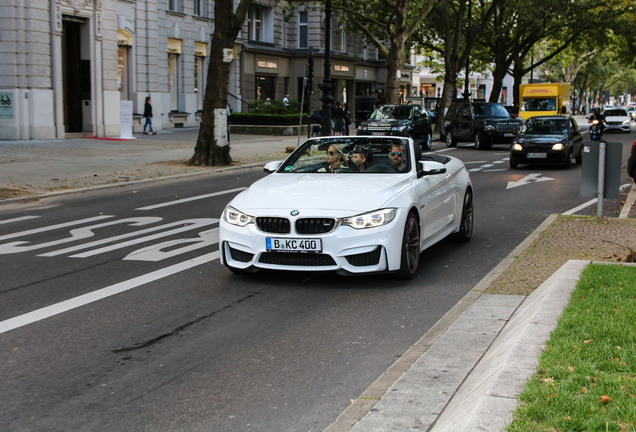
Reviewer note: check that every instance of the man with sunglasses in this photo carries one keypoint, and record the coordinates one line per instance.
(397, 157)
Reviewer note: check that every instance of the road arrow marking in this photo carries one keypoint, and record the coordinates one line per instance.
(530, 178)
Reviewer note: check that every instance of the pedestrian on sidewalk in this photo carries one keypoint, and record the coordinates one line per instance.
(148, 116)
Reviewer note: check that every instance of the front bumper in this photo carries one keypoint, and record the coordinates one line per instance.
(539, 156)
(343, 250)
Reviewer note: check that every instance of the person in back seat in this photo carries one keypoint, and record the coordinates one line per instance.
(361, 156)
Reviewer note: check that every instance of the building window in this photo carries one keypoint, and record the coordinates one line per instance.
(302, 30)
(201, 8)
(255, 23)
(175, 6)
(260, 24)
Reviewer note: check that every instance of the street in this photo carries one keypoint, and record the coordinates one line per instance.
(115, 313)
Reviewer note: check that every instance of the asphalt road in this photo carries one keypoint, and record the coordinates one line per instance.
(100, 331)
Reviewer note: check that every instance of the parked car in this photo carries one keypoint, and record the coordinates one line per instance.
(483, 123)
(547, 140)
(631, 162)
(307, 216)
(409, 120)
(617, 119)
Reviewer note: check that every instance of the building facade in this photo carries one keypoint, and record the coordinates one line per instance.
(67, 65)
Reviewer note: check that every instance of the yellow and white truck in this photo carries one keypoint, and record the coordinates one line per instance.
(543, 99)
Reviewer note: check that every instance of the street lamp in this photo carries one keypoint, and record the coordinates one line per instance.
(326, 87)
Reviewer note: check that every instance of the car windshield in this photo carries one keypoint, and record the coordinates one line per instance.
(539, 104)
(615, 113)
(539, 126)
(339, 155)
(489, 110)
(391, 112)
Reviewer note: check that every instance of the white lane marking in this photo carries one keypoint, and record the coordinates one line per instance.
(119, 237)
(579, 208)
(155, 252)
(18, 219)
(75, 235)
(590, 202)
(186, 225)
(67, 305)
(53, 227)
(530, 178)
(194, 198)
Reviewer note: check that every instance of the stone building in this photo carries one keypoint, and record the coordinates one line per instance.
(67, 65)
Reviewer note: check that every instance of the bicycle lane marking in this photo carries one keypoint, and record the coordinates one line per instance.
(85, 299)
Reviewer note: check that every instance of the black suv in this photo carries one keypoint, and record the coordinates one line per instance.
(401, 120)
(484, 123)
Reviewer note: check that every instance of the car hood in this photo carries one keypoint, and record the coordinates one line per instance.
(541, 139)
(340, 194)
(617, 118)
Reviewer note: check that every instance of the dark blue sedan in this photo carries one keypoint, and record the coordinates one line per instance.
(547, 140)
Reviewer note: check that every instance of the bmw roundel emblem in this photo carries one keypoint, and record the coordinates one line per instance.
(295, 212)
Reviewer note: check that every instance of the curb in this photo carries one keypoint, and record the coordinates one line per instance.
(371, 396)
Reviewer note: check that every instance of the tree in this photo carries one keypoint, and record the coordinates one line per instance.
(388, 25)
(452, 31)
(212, 147)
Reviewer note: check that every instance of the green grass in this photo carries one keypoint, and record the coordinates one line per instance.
(586, 377)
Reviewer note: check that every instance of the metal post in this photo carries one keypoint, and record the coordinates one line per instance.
(327, 96)
(601, 179)
(302, 102)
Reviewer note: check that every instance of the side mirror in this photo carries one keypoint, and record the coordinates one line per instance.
(564, 110)
(271, 167)
(427, 168)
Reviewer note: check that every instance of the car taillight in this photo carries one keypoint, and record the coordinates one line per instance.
(633, 146)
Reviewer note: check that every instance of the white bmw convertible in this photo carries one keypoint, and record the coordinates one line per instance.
(350, 204)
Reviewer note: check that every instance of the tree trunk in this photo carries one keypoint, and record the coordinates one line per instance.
(213, 147)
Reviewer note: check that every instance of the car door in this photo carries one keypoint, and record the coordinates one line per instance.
(576, 137)
(464, 123)
(420, 122)
(436, 201)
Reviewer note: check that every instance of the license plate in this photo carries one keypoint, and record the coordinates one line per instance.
(509, 135)
(378, 133)
(537, 155)
(293, 245)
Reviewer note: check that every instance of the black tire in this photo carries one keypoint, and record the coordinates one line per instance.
(479, 141)
(513, 165)
(450, 139)
(579, 158)
(410, 254)
(465, 232)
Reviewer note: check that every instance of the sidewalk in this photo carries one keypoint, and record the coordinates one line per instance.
(466, 372)
(29, 168)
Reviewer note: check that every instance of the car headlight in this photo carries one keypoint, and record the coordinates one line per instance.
(235, 217)
(517, 147)
(558, 147)
(490, 127)
(400, 128)
(371, 220)
(626, 121)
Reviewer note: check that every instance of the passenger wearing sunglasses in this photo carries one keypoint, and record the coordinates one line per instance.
(397, 157)
(335, 159)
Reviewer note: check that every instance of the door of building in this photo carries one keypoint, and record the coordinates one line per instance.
(76, 76)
